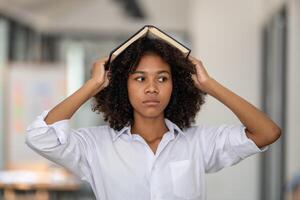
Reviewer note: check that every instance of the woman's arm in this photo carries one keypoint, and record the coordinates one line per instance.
(260, 128)
(71, 104)
(57, 141)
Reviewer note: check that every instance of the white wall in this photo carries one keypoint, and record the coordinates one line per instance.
(266, 9)
(226, 37)
(293, 108)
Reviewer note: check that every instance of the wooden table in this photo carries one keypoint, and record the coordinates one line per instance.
(42, 186)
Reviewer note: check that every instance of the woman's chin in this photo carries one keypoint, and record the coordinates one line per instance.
(152, 114)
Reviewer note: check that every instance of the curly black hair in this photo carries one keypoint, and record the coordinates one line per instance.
(113, 100)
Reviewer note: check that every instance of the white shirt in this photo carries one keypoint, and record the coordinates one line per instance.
(120, 165)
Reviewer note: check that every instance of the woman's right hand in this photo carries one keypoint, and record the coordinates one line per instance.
(99, 75)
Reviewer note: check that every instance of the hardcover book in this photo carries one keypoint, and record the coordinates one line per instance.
(151, 32)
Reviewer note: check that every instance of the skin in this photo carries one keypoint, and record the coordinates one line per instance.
(152, 80)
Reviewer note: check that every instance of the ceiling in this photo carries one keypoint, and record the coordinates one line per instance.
(96, 16)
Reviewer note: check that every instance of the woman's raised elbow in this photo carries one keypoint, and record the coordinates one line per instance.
(275, 133)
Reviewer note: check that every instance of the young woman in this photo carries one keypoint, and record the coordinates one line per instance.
(149, 149)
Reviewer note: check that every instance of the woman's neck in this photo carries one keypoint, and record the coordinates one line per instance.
(150, 129)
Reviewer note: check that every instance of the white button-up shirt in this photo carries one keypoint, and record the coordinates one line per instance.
(120, 165)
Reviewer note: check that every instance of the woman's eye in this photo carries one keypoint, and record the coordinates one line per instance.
(162, 79)
(140, 79)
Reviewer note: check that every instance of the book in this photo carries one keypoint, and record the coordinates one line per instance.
(151, 32)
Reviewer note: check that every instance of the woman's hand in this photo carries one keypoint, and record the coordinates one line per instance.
(201, 78)
(99, 75)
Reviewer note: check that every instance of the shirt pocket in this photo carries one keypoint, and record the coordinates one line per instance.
(185, 179)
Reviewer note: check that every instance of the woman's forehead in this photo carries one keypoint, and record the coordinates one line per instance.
(152, 63)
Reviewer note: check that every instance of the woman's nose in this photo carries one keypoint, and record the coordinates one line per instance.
(152, 87)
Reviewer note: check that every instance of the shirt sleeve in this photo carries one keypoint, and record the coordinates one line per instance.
(60, 144)
(225, 146)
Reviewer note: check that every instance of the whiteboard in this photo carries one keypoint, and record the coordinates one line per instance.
(29, 89)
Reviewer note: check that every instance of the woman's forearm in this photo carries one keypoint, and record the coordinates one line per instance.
(260, 128)
(71, 104)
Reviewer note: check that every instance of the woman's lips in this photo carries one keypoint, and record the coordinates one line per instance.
(151, 103)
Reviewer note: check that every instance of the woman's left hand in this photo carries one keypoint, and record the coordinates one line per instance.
(201, 77)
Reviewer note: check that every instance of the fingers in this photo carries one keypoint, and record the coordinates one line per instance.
(98, 71)
(105, 59)
(191, 58)
(102, 61)
(106, 81)
(194, 60)
(195, 79)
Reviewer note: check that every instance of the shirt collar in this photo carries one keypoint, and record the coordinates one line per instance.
(173, 128)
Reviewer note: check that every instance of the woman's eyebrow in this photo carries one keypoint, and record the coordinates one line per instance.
(143, 72)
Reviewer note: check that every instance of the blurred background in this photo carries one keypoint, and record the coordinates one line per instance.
(47, 48)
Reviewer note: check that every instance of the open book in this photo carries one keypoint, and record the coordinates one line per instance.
(149, 31)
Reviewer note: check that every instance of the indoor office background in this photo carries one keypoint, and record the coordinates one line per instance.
(47, 49)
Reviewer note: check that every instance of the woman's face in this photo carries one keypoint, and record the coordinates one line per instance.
(150, 86)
